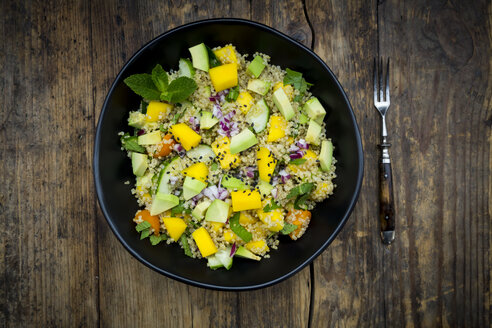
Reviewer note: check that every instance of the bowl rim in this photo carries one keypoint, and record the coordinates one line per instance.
(96, 162)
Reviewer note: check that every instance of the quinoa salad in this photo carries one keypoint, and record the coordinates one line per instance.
(230, 155)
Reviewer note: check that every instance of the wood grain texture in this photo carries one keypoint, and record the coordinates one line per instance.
(48, 239)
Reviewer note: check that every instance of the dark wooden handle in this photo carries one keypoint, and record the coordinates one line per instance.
(386, 203)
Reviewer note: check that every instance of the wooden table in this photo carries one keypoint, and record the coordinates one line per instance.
(62, 266)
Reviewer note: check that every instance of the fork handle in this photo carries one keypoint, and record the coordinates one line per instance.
(386, 201)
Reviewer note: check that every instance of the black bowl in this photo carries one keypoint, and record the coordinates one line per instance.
(112, 167)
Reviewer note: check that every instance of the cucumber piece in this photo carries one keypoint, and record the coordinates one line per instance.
(303, 119)
(232, 183)
(163, 179)
(259, 86)
(214, 263)
(186, 68)
(199, 210)
(139, 163)
(326, 155)
(207, 120)
(265, 188)
(201, 153)
(192, 187)
(224, 257)
(136, 120)
(242, 141)
(199, 56)
(163, 202)
(258, 116)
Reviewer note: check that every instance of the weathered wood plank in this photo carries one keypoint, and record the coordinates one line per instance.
(118, 30)
(48, 245)
(440, 268)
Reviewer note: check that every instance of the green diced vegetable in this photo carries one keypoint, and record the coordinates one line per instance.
(295, 78)
(298, 161)
(186, 246)
(288, 228)
(272, 206)
(130, 143)
(212, 59)
(238, 229)
(233, 94)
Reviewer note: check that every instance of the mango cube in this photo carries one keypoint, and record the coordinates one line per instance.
(278, 125)
(175, 227)
(259, 247)
(185, 135)
(245, 101)
(245, 218)
(198, 171)
(309, 156)
(274, 220)
(229, 236)
(245, 200)
(216, 226)
(204, 242)
(226, 55)
(266, 163)
(222, 149)
(224, 76)
(156, 109)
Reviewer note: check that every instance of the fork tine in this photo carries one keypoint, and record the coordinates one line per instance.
(375, 82)
(388, 81)
(381, 81)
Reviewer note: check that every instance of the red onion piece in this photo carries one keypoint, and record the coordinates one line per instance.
(233, 250)
(295, 155)
(302, 144)
(274, 193)
(140, 132)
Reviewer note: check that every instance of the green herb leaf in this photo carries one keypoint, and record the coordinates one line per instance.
(300, 203)
(295, 78)
(159, 77)
(238, 229)
(131, 143)
(154, 240)
(305, 188)
(145, 233)
(298, 161)
(179, 89)
(298, 98)
(214, 166)
(186, 246)
(288, 228)
(180, 209)
(178, 115)
(142, 226)
(272, 206)
(162, 128)
(143, 86)
(212, 59)
(233, 94)
(143, 107)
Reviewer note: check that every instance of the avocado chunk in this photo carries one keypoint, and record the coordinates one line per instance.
(199, 57)
(283, 104)
(256, 66)
(303, 119)
(218, 211)
(136, 119)
(163, 202)
(326, 155)
(213, 262)
(224, 256)
(243, 141)
(244, 252)
(258, 116)
(207, 120)
(192, 187)
(201, 153)
(199, 211)
(165, 174)
(139, 163)
(229, 182)
(151, 138)
(186, 68)
(259, 86)
(313, 133)
(315, 110)
(265, 188)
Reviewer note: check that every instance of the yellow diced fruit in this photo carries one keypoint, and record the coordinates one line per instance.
(175, 227)
(226, 55)
(288, 89)
(278, 125)
(266, 163)
(221, 148)
(224, 76)
(290, 140)
(185, 135)
(322, 190)
(198, 171)
(204, 242)
(310, 156)
(274, 220)
(156, 109)
(258, 247)
(245, 101)
(245, 218)
(216, 226)
(243, 200)
(229, 236)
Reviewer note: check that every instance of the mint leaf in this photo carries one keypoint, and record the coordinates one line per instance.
(288, 228)
(272, 206)
(298, 161)
(159, 77)
(154, 240)
(295, 78)
(145, 233)
(298, 98)
(142, 226)
(143, 85)
(233, 94)
(300, 203)
(214, 166)
(180, 209)
(305, 188)
(212, 59)
(131, 143)
(143, 107)
(238, 229)
(186, 246)
(179, 89)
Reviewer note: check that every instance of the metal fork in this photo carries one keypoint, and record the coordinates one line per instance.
(386, 202)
